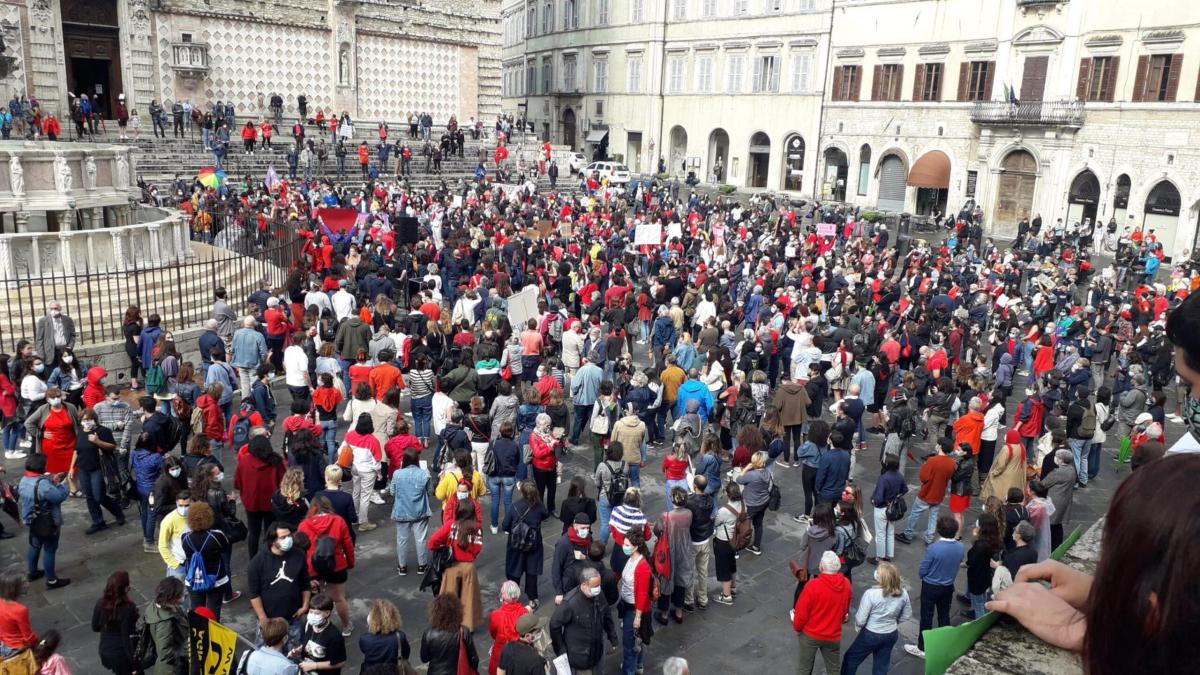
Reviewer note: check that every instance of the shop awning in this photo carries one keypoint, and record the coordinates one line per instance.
(596, 135)
(931, 171)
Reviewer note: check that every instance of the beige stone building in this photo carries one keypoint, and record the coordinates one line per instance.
(376, 59)
(1063, 108)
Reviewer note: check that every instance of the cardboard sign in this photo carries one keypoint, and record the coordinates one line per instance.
(826, 230)
(522, 306)
(648, 234)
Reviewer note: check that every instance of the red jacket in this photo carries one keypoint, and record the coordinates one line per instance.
(674, 469)
(214, 417)
(543, 453)
(502, 624)
(329, 524)
(249, 133)
(822, 606)
(257, 480)
(447, 535)
(94, 393)
(295, 423)
(643, 589)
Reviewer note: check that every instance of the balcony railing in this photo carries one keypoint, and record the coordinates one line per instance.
(1034, 3)
(1029, 113)
(190, 57)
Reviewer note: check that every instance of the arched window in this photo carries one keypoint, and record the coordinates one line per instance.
(864, 169)
(793, 162)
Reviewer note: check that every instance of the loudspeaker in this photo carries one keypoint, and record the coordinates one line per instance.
(407, 230)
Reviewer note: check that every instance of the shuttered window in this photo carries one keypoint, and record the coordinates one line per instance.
(927, 82)
(847, 81)
(885, 85)
(1097, 78)
(975, 80)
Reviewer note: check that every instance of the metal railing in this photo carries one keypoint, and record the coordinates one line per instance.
(190, 56)
(1032, 113)
(181, 293)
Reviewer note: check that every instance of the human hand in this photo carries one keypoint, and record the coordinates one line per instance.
(558, 599)
(1043, 613)
(308, 666)
(994, 563)
(1066, 582)
(637, 622)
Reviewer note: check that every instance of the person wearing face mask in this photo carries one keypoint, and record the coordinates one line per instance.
(68, 374)
(570, 552)
(55, 428)
(465, 541)
(636, 601)
(33, 389)
(147, 466)
(580, 624)
(93, 447)
(170, 535)
(323, 648)
(520, 656)
(880, 612)
(278, 582)
(54, 332)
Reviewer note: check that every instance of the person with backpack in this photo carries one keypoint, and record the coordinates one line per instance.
(887, 499)
(703, 506)
(524, 554)
(330, 555)
(1081, 427)
(41, 495)
(241, 424)
(611, 479)
(166, 628)
(206, 566)
(732, 532)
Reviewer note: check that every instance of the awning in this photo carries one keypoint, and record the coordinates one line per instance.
(931, 171)
(596, 135)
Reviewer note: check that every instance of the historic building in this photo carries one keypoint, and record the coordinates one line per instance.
(376, 59)
(1063, 108)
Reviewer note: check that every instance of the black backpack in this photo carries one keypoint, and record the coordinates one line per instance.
(618, 483)
(41, 521)
(523, 538)
(324, 559)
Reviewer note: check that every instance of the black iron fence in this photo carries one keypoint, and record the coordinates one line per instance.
(1030, 113)
(180, 293)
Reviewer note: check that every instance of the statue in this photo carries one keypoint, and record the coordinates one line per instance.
(62, 174)
(344, 67)
(122, 171)
(16, 175)
(89, 172)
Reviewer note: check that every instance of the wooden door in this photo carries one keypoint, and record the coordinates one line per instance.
(1033, 81)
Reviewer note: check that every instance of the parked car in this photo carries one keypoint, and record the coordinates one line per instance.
(614, 172)
(576, 161)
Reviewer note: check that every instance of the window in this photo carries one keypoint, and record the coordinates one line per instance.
(547, 76)
(634, 77)
(847, 80)
(704, 74)
(864, 169)
(531, 78)
(679, 10)
(734, 69)
(185, 37)
(637, 11)
(888, 77)
(927, 85)
(766, 73)
(975, 81)
(708, 9)
(600, 81)
(741, 7)
(772, 6)
(547, 18)
(805, 4)
(1159, 76)
(972, 181)
(569, 74)
(602, 12)
(1097, 77)
(570, 16)
(599, 108)
(802, 71)
(531, 21)
(677, 69)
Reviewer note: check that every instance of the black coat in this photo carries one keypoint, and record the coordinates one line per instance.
(533, 562)
(440, 650)
(578, 627)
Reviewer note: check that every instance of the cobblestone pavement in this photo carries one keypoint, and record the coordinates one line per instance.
(752, 636)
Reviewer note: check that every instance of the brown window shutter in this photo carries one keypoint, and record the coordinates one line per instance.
(838, 93)
(964, 79)
(1173, 76)
(876, 83)
(1139, 78)
(855, 83)
(1114, 69)
(988, 81)
(897, 84)
(918, 82)
(1085, 73)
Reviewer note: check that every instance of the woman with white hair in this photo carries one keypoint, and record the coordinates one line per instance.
(502, 623)
(544, 445)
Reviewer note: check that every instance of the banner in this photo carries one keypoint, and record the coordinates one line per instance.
(212, 647)
(339, 220)
(826, 230)
(648, 234)
(522, 306)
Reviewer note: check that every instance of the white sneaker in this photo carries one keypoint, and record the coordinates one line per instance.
(915, 651)
(495, 530)
(377, 499)
(24, 443)
(15, 454)
(1175, 418)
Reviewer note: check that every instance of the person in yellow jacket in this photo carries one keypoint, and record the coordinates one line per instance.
(462, 470)
(170, 536)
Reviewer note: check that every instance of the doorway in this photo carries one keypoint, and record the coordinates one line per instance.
(1083, 198)
(760, 160)
(837, 168)
(568, 126)
(633, 150)
(718, 155)
(1014, 192)
(793, 167)
(892, 184)
(93, 55)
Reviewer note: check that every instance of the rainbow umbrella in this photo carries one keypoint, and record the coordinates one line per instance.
(210, 177)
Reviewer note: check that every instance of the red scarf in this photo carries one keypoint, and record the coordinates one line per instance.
(582, 543)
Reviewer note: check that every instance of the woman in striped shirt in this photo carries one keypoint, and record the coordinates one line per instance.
(628, 516)
(421, 385)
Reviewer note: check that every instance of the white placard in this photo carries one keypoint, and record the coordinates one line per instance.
(675, 231)
(522, 306)
(457, 202)
(648, 234)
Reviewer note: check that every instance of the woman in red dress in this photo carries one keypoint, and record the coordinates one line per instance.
(55, 425)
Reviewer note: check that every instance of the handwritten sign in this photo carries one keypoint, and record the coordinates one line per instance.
(826, 230)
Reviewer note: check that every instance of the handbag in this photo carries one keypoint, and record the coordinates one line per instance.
(896, 509)
(774, 497)
(599, 424)
(464, 664)
(800, 571)
(235, 529)
(41, 521)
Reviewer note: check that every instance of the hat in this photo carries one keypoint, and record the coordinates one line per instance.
(582, 519)
(1144, 418)
(529, 623)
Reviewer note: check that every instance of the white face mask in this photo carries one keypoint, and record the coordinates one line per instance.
(220, 476)
(68, 359)
(174, 472)
(54, 401)
(87, 425)
(182, 510)
(317, 619)
(463, 495)
(285, 544)
(582, 530)
(592, 591)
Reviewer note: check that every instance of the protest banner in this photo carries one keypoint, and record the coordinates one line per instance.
(648, 234)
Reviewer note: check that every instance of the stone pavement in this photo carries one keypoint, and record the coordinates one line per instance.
(752, 636)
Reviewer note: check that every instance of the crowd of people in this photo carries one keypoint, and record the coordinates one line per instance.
(523, 362)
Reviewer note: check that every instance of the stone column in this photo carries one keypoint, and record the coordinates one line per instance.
(98, 217)
(118, 249)
(182, 236)
(6, 264)
(21, 219)
(64, 252)
(156, 244)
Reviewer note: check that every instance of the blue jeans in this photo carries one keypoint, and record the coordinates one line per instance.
(1093, 461)
(419, 531)
(631, 662)
(92, 483)
(329, 437)
(920, 506)
(1079, 448)
(660, 421)
(583, 413)
(46, 548)
(12, 434)
(878, 647)
(978, 600)
(635, 475)
(148, 520)
(501, 488)
(422, 412)
(606, 510)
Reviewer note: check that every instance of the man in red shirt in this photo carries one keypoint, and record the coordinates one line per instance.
(822, 606)
(277, 330)
(531, 351)
(935, 479)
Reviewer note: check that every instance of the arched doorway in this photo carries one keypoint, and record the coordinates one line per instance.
(837, 167)
(931, 176)
(864, 169)
(568, 127)
(1121, 200)
(1083, 198)
(1014, 192)
(892, 179)
(678, 151)
(718, 155)
(91, 40)
(793, 163)
(1162, 214)
(760, 160)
